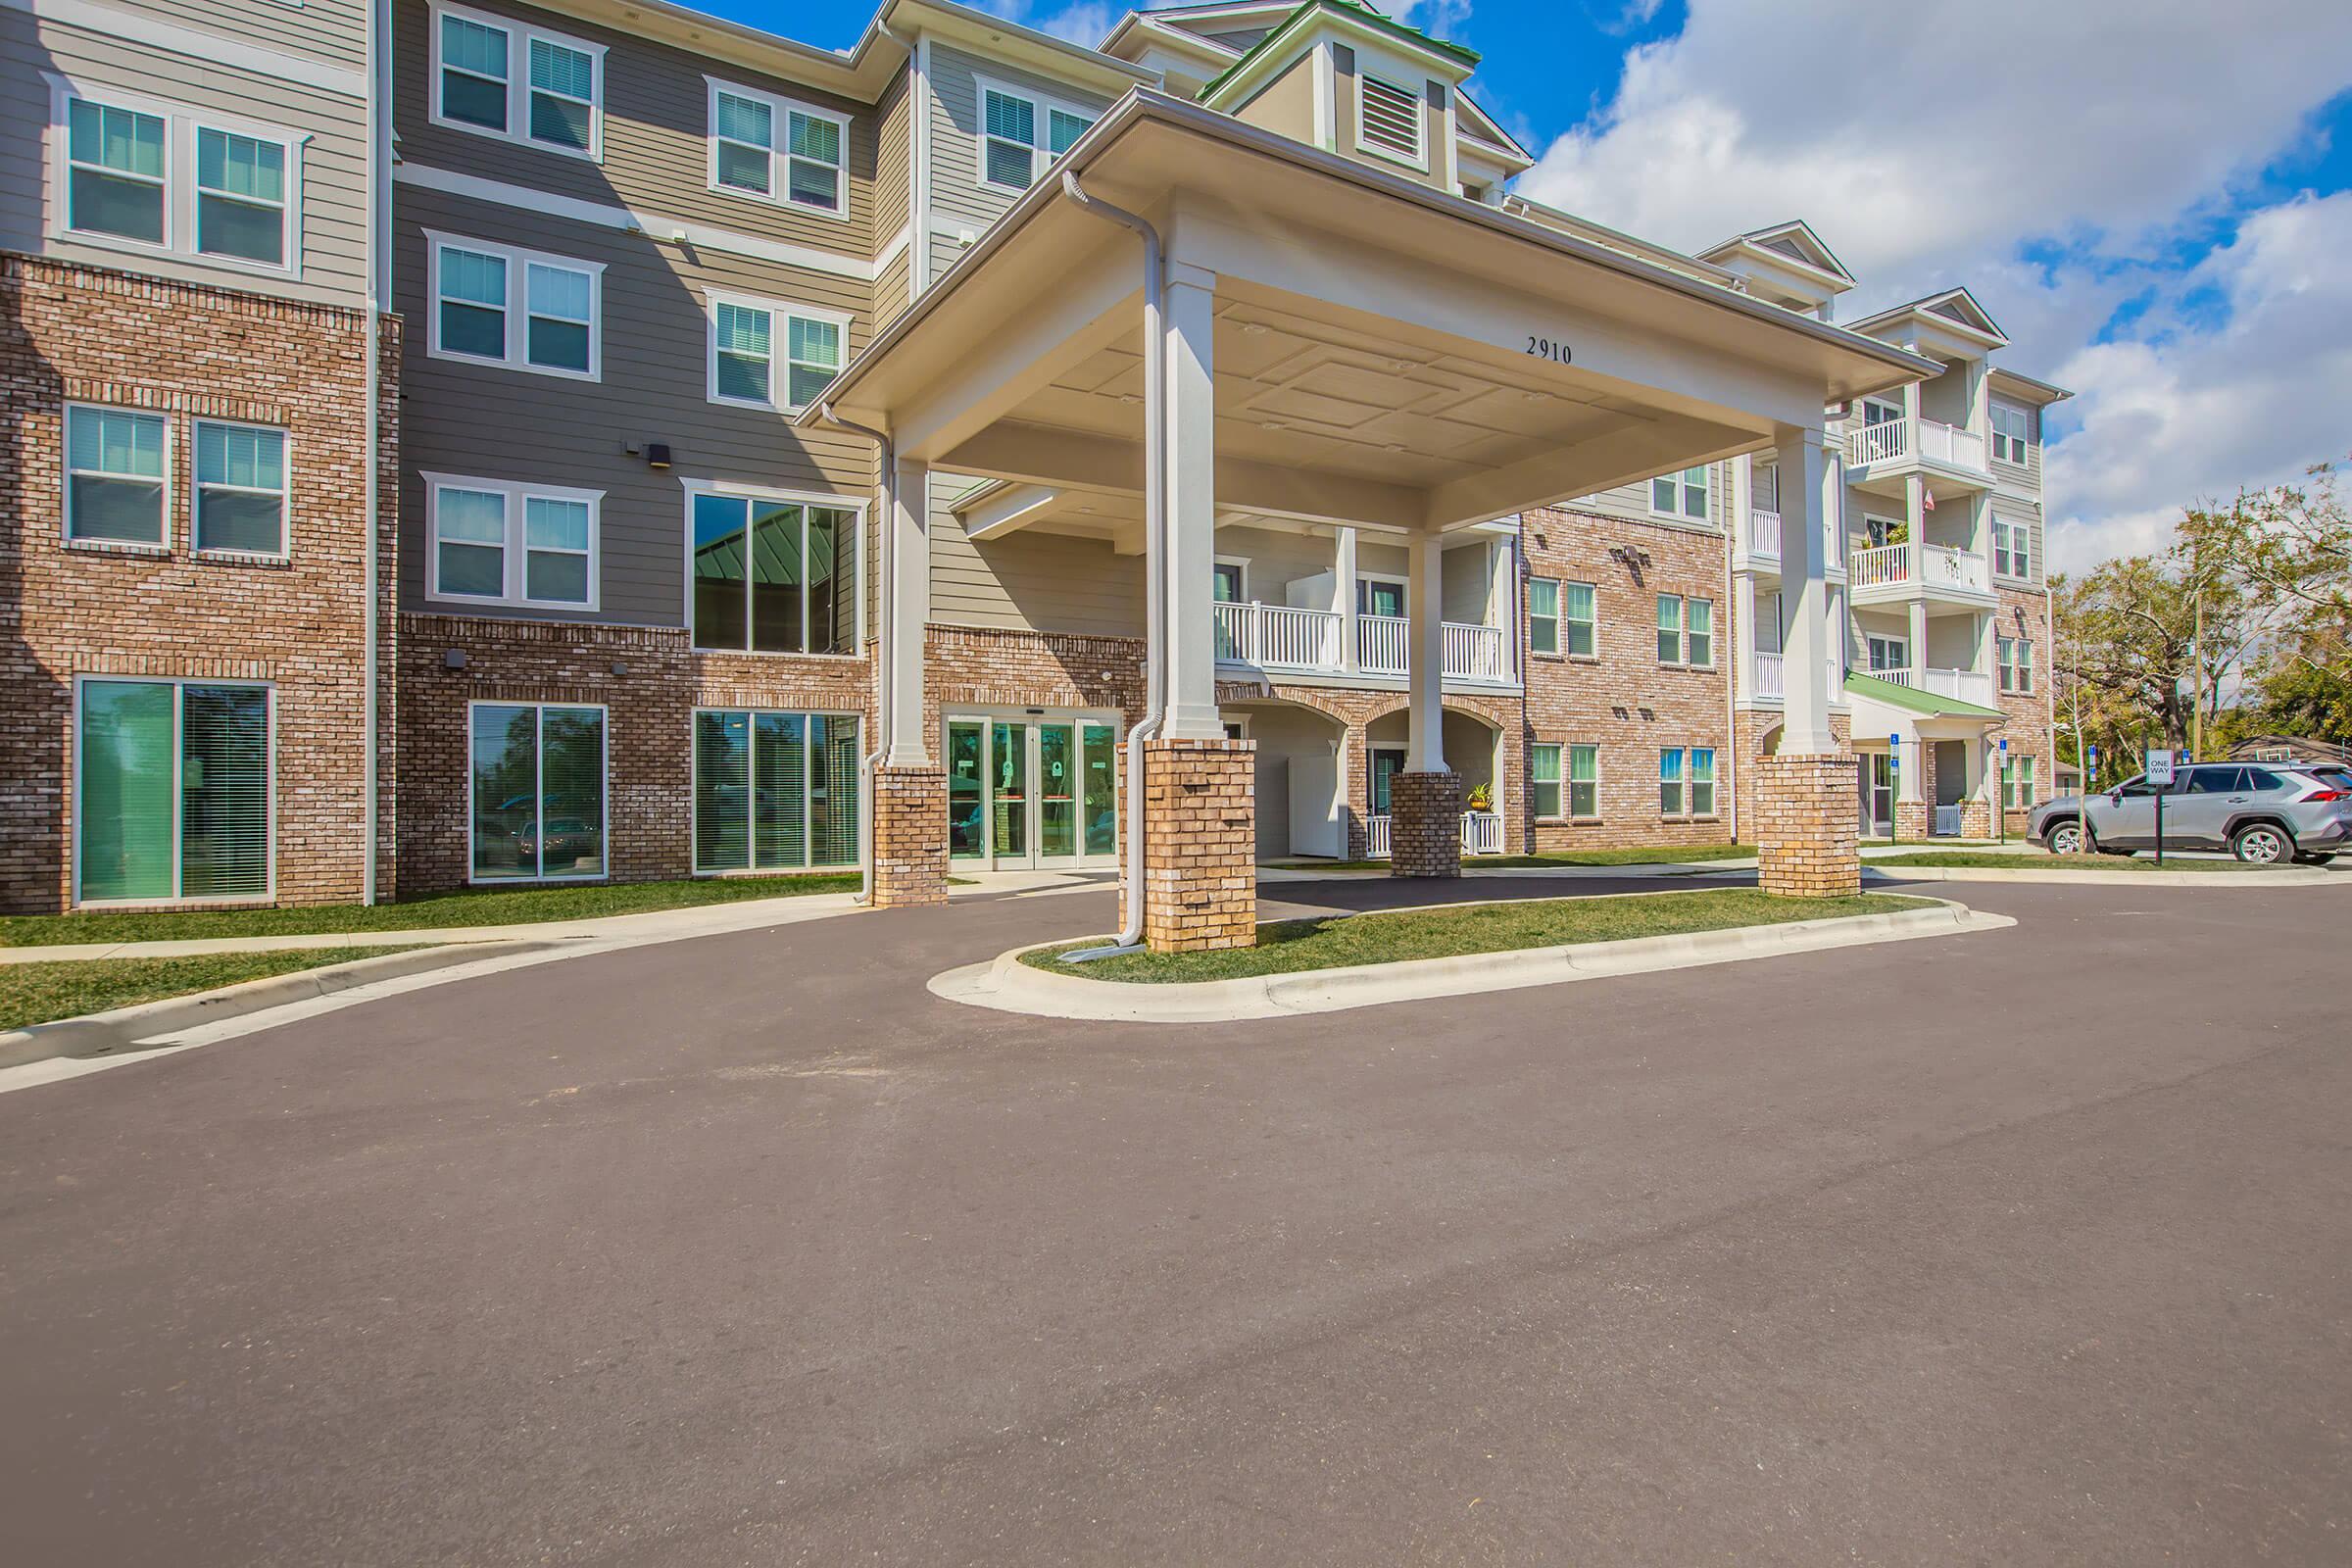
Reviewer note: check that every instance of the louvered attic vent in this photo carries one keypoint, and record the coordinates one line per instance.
(1391, 116)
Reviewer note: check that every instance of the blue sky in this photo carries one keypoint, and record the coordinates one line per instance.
(2153, 197)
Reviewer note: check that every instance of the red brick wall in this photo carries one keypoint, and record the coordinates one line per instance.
(83, 335)
(1621, 699)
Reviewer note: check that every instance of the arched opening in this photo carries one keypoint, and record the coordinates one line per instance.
(1473, 750)
(1302, 782)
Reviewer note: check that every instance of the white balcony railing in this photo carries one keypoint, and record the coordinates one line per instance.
(1764, 533)
(1481, 834)
(1474, 652)
(1965, 684)
(1948, 822)
(1771, 679)
(1383, 644)
(1929, 565)
(1934, 441)
(1279, 636)
(1376, 837)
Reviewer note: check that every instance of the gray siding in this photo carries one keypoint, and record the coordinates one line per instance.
(507, 424)
(1467, 584)
(1029, 581)
(334, 209)
(2029, 513)
(325, 30)
(958, 197)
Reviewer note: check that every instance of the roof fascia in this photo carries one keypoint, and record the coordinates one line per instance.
(993, 34)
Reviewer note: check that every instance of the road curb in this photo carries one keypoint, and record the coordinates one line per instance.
(100, 1034)
(2283, 876)
(1007, 985)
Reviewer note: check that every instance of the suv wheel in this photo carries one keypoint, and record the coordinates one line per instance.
(2066, 838)
(2262, 843)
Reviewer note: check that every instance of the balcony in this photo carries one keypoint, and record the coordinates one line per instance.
(1907, 570)
(1764, 539)
(1286, 640)
(1481, 834)
(1948, 446)
(1966, 685)
(1769, 678)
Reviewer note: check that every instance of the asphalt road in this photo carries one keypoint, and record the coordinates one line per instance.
(2030, 1246)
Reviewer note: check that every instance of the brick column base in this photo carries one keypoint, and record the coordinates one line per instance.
(1200, 845)
(1914, 819)
(1425, 824)
(910, 837)
(1805, 810)
(1976, 817)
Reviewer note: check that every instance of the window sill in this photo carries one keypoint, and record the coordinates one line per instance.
(118, 547)
(773, 653)
(251, 901)
(240, 557)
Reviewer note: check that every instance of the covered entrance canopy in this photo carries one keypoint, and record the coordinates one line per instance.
(1342, 344)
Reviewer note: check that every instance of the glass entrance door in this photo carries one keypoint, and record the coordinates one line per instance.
(1880, 786)
(1025, 793)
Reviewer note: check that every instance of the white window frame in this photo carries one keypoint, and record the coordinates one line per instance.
(180, 125)
(604, 731)
(1682, 631)
(1558, 781)
(1044, 106)
(2021, 444)
(1556, 617)
(1680, 478)
(2016, 769)
(788, 498)
(177, 683)
(779, 342)
(2022, 551)
(197, 487)
(2019, 668)
(513, 549)
(1891, 644)
(1690, 783)
(65, 471)
(1568, 780)
(1404, 594)
(518, 34)
(518, 338)
(694, 793)
(779, 153)
(1396, 81)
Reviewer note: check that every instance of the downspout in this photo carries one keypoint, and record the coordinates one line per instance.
(887, 499)
(1740, 633)
(1155, 506)
(379, 190)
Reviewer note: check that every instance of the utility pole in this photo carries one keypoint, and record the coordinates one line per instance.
(2196, 652)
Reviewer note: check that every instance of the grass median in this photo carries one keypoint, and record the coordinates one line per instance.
(40, 993)
(1991, 859)
(1649, 854)
(435, 911)
(1394, 936)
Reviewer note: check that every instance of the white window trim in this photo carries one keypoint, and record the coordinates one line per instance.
(1399, 81)
(1893, 643)
(694, 794)
(779, 154)
(1404, 594)
(2025, 443)
(65, 471)
(1043, 104)
(1568, 781)
(1682, 631)
(792, 498)
(1241, 562)
(520, 35)
(2024, 547)
(1559, 782)
(180, 124)
(604, 734)
(779, 340)
(1682, 494)
(1690, 782)
(1559, 618)
(286, 495)
(512, 548)
(518, 263)
(1713, 633)
(177, 683)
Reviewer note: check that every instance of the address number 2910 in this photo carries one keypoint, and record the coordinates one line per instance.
(1548, 348)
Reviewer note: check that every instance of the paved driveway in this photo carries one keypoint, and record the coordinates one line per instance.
(2026, 1246)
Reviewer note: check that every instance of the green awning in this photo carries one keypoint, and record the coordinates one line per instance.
(1912, 700)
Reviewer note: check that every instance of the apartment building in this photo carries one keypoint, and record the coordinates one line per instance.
(194, 373)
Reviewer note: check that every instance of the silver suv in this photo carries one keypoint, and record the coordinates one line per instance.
(2262, 813)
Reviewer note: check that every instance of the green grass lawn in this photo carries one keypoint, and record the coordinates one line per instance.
(480, 907)
(1996, 861)
(36, 992)
(1651, 854)
(1286, 947)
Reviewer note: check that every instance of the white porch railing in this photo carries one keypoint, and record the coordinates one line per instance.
(1965, 684)
(1930, 565)
(1279, 636)
(1879, 443)
(1376, 838)
(1474, 652)
(1770, 680)
(1481, 834)
(1764, 533)
(1935, 441)
(1948, 822)
(1383, 644)
(1943, 565)
(1952, 446)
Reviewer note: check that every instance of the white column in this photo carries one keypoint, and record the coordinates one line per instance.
(1806, 475)
(1190, 566)
(1424, 607)
(1987, 625)
(1918, 642)
(1913, 772)
(1743, 504)
(906, 609)
(1342, 597)
(1502, 589)
(1744, 611)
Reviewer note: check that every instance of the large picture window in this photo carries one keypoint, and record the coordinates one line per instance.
(774, 792)
(538, 787)
(772, 574)
(172, 791)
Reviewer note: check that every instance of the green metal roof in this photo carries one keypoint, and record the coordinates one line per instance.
(1912, 700)
(1357, 11)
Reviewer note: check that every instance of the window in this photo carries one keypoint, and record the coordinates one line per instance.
(1543, 617)
(1670, 783)
(772, 574)
(1686, 630)
(240, 489)
(2014, 658)
(2016, 783)
(1702, 781)
(555, 100)
(774, 792)
(743, 353)
(2012, 547)
(1680, 494)
(2012, 430)
(1686, 781)
(502, 543)
(807, 168)
(521, 310)
(116, 180)
(1583, 781)
(537, 776)
(1577, 622)
(1388, 118)
(1889, 652)
(172, 791)
(116, 468)
(158, 177)
(1380, 597)
(1543, 780)
(1015, 127)
(240, 197)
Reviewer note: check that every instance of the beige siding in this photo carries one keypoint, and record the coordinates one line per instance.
(2029, 513)
(894, 198)
(657, 156)
(958, 196)
(334, 160)
(1029, 581)
(1630, 503)
(1278, 558)
(2021, 478)
(1467, 582)
(325, 30)
(1286, 105)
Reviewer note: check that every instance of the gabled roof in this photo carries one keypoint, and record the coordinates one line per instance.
(1355, 12)
(1956, 307)
(2019, 384)
(1792, 241)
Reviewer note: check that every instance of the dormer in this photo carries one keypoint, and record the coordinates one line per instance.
(1785, 264)
(1946, 327)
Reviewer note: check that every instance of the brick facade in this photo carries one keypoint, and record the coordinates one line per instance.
(81, 335)
(1804, 828)
(910, 837)
(1199, 846)
(1425, 838)
(1621, 699)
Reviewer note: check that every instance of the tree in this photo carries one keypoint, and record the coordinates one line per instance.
(2128, 634)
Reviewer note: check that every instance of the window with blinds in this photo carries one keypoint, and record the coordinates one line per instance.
(174, 790)
(773, 791)
(1390, 117)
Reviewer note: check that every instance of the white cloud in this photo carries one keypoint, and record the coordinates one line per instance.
(1437, 16)
(1930, 141)
(1084, 21)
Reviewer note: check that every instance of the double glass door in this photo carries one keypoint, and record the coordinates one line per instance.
(1029, 792)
